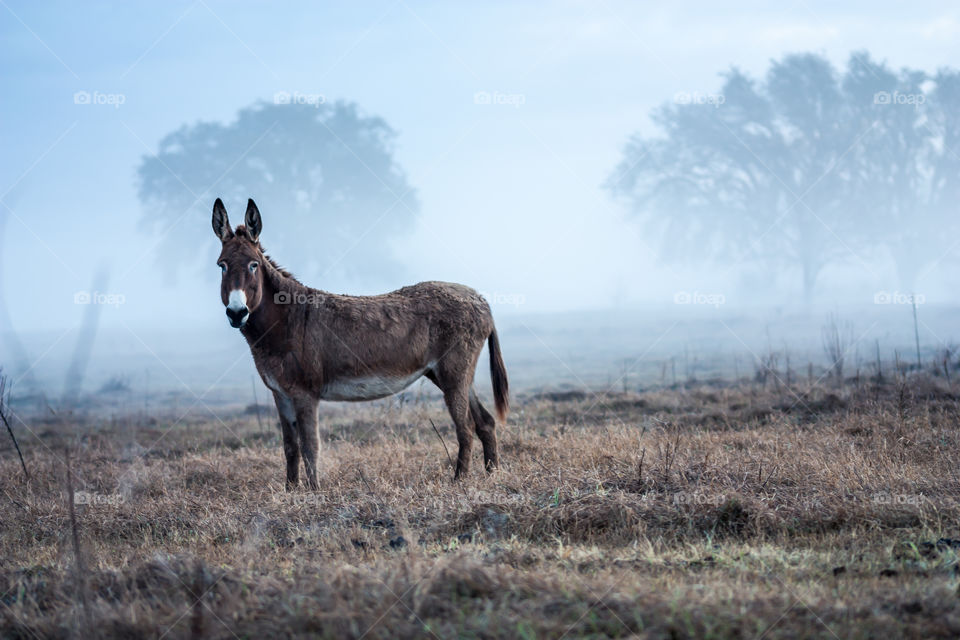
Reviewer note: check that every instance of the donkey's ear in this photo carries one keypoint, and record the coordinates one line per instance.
(221, 224)
(252, 220)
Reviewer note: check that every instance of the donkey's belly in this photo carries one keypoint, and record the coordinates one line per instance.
(368, 387)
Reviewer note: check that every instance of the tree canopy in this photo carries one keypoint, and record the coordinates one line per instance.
(803, 169)
(324, 176)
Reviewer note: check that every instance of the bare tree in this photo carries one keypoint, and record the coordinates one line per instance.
(4, 417)
(837, 339)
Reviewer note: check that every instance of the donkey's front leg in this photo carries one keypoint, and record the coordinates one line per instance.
(291, 440)
(308, 431)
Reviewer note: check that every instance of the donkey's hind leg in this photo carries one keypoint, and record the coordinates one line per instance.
(456, 395)
(486, 428)
(458, 403)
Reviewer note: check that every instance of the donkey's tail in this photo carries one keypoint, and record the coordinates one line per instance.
(498, 375)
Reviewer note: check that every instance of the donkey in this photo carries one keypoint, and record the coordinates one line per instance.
(311, 345)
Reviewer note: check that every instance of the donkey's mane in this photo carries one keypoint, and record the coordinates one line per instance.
(276, 270)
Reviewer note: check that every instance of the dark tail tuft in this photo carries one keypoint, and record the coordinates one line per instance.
(498, 375)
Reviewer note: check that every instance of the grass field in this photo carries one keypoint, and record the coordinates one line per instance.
(715, 511)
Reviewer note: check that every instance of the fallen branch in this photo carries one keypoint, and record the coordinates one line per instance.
(449, 459)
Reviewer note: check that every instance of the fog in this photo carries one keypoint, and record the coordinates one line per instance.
(683, 184)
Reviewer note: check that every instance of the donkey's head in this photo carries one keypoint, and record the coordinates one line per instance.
(241, 288)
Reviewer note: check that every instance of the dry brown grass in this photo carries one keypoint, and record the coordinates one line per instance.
(712, 512)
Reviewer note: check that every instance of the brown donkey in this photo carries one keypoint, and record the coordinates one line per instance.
(310, 345)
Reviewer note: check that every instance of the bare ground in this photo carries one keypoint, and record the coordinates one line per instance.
(714, 511)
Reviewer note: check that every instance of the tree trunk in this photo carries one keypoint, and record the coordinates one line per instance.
(20, 365)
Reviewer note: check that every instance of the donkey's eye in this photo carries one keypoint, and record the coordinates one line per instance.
(223, 267)
(253, 266)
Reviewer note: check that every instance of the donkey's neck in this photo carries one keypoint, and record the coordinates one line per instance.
(283, 298)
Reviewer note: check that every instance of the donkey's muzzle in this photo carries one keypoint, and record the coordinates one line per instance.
(237, 316)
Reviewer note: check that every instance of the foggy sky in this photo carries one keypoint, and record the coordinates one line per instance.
(511, 195)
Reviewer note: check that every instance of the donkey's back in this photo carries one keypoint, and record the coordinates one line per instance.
(446, 308)
(370, 347)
